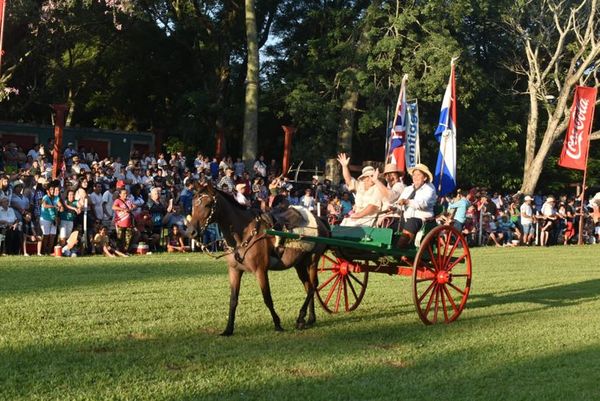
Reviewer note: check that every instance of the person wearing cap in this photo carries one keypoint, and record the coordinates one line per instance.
(239, 194)
(19, 202)
(368, 199)
(527, 217)
(418, 201)
(549, 217)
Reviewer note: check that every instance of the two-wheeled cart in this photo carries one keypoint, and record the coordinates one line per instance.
(439, 264)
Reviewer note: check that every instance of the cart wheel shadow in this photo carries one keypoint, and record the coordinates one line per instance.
(551, 296)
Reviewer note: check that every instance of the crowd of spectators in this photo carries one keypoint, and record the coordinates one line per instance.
(114, 207)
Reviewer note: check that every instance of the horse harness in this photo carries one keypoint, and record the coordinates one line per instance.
(245, 244)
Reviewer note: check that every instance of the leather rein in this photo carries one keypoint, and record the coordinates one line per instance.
(244, 245)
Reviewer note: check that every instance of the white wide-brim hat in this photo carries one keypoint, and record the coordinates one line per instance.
(367, 171)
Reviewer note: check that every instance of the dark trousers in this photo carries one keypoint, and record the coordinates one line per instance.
(124, 236)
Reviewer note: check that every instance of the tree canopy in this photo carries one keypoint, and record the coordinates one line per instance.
(332, 68)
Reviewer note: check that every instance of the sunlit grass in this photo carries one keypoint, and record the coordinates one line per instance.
(146, 328)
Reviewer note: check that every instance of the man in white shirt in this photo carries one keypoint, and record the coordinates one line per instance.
(8, 225)
(418, 201)
(390, 193)
(368, 199)
(260, 168)
(96, 200)
(550, 218)
(527, 220)
(107, 202)
(34, 152)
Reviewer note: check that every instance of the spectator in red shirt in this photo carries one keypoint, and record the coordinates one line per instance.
(123, 208)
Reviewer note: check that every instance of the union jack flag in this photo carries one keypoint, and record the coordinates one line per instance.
(396, 153)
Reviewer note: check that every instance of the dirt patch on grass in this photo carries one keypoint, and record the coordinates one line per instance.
(305, 372)
(140, 336)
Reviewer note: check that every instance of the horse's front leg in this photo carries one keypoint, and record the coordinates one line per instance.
(235, 278)
(263, 282)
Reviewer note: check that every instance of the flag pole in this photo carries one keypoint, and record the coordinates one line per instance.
(453, 112)
(581, 213)
(387, 134)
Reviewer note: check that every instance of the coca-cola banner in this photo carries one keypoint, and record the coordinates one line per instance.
(575, 148)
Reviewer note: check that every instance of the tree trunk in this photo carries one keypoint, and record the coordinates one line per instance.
(532, 125)
(250, 141)
(347, 120)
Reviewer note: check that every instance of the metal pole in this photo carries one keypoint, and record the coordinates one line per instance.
(480, 237)
(581, 213)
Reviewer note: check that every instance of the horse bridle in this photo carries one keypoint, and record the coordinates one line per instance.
(245, 244)
(213, 207)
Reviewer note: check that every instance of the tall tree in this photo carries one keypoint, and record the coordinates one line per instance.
(558, 48)
(250, 145)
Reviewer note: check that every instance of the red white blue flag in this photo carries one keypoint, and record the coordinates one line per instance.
(397, 143)
(445, 171)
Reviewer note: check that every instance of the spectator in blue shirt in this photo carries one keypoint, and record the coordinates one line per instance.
(186, 197)
(346, 204)
(214, 168)
(459, 207)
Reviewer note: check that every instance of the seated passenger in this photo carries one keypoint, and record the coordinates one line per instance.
(390, 192)
(368, 199)
(418, 201)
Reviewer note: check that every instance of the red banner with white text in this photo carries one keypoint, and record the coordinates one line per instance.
(575, 147)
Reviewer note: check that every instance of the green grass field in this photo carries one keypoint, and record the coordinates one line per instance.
(146, 328)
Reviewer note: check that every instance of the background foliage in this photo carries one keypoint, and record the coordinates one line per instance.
(179, 66)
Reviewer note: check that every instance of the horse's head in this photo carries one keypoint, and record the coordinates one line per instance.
(203, 210)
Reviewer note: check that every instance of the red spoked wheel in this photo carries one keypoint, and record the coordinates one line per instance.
(344, 284)
(442, 276)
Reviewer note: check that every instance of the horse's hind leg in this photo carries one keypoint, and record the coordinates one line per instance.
(235, 278)
(308, 304)
(314, 283)
(263, 282)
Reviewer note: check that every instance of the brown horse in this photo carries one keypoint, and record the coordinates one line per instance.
(252, 250)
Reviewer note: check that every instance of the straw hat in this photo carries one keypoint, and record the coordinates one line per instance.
(42, 181)
(391, 168)
(367, 171)
(528, 198)
(422, 168)
(550, 199)
(240, 187)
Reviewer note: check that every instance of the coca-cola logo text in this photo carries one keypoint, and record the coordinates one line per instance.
(576, 135)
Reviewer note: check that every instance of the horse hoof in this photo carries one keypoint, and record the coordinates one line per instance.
(227, 333)
(300, 325)
(279, 329)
